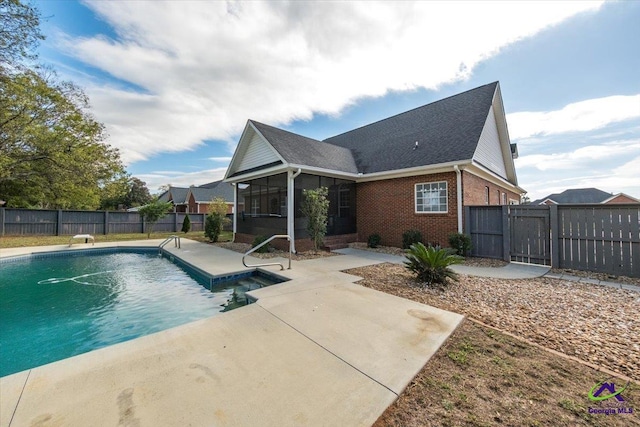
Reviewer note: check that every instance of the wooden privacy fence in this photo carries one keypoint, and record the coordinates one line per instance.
(63, 222)
(600, 238)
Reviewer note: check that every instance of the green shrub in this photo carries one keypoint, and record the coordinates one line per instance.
(257, 241)
(374, 240)
(410, 237)
(460, 242)
(216, 219)
(186, 224)
(431, 265)
(315, 207)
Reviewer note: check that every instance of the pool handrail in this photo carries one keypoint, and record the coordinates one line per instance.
(275, 236)
(176, 241)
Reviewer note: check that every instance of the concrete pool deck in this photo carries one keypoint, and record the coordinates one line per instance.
(316, 350)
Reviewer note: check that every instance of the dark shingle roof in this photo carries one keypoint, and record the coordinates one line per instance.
(576, 195)
(213, 189)
(178, 195)
(447, 130)
(300, 150)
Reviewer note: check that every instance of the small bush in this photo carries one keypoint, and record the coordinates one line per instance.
(460, 242)
(374, 240)
(257, 241)
(186, 224)
(432, 264)
(410, 237)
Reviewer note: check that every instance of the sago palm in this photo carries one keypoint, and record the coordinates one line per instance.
(432, 264)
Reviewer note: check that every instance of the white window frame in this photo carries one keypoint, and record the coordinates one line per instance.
(437, 189)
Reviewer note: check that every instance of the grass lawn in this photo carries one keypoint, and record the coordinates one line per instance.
(22, 241)
(481, 377)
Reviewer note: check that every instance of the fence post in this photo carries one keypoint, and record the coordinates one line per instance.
(59, 222)
(506, 234)
(467, 220)
(2, 218)
(554, 227)
(106, 222)
(175, 222)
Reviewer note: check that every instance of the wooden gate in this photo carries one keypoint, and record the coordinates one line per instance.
(530, 234)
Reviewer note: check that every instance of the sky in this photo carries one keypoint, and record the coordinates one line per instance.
(174, 82)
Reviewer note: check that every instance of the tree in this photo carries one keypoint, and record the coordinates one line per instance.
(216, 219)
(186, 224)
(19, 33)
(52, 151)
(152, 212)
(124, 193)
(315, 207)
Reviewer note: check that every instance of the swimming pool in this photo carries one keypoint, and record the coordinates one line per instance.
(54, 307)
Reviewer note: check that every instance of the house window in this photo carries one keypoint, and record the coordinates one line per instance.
(486, 195)
(497, 197)
(255, 206)
(431, 197)
(504, 198)
(343, 203)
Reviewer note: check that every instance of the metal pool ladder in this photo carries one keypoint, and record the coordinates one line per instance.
(176, 241)
(275, 236)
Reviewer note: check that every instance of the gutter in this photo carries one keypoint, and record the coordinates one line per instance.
(459, 195)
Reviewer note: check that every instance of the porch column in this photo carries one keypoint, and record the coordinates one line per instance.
(235, 210)
(291, 176)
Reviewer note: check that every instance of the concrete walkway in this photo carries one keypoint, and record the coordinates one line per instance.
(510, 271)
(316, 350)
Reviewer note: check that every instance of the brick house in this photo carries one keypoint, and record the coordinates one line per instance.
(415, 170)
(585, 196)
(196, 199)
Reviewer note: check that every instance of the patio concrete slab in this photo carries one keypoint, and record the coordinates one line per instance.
(243, 368)
(387, 338)
(10, 390)
(317, 350)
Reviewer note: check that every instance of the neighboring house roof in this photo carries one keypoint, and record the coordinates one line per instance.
(446, 131)
(222, 189)
(576, 196)
(177, 194)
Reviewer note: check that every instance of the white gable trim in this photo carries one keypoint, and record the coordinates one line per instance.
(252, 151)
(489, 149)
(503, 133)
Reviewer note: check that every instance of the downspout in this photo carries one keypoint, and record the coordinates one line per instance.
(290, 208)
(235, 210)
(459, 195)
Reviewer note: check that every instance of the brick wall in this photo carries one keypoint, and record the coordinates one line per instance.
(474, 191)
(388, 208)
(621, 198)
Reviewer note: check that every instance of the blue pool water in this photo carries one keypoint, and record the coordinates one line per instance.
(58, 307)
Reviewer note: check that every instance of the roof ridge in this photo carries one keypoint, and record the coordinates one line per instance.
(411, 110)
(284, 130)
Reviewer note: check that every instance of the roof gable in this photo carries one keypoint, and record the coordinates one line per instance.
(253, 151)
(299, 150)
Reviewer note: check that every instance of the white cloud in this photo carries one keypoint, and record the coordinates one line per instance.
(221, 159)
(206, 67)
(584, 167)
(577, 117)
